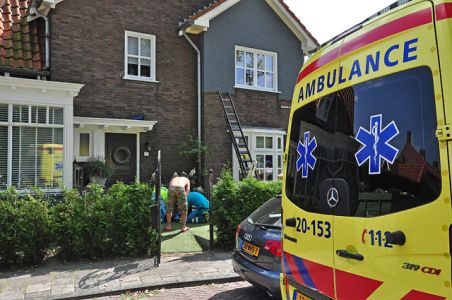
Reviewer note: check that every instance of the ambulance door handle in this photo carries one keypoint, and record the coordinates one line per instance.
(346, 254)
(396, 238)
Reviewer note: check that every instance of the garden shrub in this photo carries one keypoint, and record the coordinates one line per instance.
(101, 224)
(24, 228)
(234, 201)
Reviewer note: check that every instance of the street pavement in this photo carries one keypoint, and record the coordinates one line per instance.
(235, 290)
(88, 280)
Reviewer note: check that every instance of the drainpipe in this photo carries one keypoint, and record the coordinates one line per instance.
(199, 95)
(47, 36)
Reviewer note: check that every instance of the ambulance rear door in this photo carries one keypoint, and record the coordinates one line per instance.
(392, 217)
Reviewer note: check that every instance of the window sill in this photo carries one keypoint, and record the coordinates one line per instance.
(145, 79)
(256, 89)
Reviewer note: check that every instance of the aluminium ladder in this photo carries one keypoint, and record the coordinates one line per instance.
(246, 164)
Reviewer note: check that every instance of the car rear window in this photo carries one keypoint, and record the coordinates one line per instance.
(268, 214)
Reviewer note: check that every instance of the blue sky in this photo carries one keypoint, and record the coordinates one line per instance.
(327, 18)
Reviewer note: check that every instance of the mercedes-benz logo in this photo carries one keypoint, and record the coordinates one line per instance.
(332, 197)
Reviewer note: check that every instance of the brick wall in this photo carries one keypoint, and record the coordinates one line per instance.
(254, 108)
(87, 46)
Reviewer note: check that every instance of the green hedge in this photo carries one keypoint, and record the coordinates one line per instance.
(234, 201)
(96, 224)
(25, 224)
(102, 224)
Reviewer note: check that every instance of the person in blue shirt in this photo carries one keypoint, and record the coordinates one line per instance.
(202, 205)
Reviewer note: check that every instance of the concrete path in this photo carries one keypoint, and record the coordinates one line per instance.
(88, 280)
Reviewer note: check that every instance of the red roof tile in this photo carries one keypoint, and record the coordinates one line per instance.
(20, 41)
(216, 3)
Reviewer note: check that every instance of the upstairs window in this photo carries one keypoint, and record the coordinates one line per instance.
(255, 69)
(139, 56)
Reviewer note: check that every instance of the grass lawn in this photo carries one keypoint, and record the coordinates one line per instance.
(196, 239)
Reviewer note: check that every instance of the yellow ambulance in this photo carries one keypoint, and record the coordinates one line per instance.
(366, 193)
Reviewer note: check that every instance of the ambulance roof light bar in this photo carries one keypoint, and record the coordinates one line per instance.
(360, 25)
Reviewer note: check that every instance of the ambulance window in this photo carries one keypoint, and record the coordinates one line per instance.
(376, 147)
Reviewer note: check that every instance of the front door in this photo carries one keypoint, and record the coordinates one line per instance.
(121, 156)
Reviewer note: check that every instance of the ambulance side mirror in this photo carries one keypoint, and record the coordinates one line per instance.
(396, 238)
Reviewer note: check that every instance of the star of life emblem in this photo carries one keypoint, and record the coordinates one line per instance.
(306, 159)
(375, 144)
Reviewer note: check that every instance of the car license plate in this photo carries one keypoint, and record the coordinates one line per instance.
(250, 249)
(300, 296)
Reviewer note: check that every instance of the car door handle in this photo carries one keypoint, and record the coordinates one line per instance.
(346, 254)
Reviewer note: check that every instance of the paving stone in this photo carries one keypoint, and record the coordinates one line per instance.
(65, 289)
(12, 296)
(40, 287)
(63, 281)
(151, 279)
(38, 295)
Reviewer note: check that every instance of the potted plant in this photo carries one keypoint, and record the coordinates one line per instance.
(97, 170)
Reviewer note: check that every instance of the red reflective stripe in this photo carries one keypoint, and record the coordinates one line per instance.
(320, 62)
(417, 295)
(293, 268)
(363, 287)
(410, 21)
(322, 276)
(443, 11)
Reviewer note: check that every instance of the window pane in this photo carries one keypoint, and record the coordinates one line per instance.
(269, 161)
(261, 79)
(269, 80)
(24, 157)
(259, 142)
(249, 60)
(374, 183)
(39, 115)
(37, 157)
(269, 63)
(50, 157)
(56, 115)
(3, 112)
(240, 76)
(260, 161)
(239, 59)
(84, 144)
(3, 156)
(279, 162)
(261, 62)
(268, 142)
(20, 113)
(145, 67)
(279, 143)
(132, 45)
(145, 49)
(132, 66)
(249, 77)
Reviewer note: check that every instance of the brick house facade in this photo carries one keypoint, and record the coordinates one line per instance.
(137, 82)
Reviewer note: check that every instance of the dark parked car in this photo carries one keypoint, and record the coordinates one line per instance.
(257, 257)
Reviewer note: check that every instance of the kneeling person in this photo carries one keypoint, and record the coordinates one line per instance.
(201, 202)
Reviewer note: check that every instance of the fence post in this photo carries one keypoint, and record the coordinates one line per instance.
(210, 210)
(158, 185)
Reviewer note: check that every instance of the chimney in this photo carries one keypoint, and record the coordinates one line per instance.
(408, 137)
(422, 153)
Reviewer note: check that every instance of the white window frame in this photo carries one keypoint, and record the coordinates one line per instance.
(252, 134)
(138, 35)
(255, 70)
(10, 124)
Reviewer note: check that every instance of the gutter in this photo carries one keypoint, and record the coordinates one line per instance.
(198, 52)
(35, 13)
